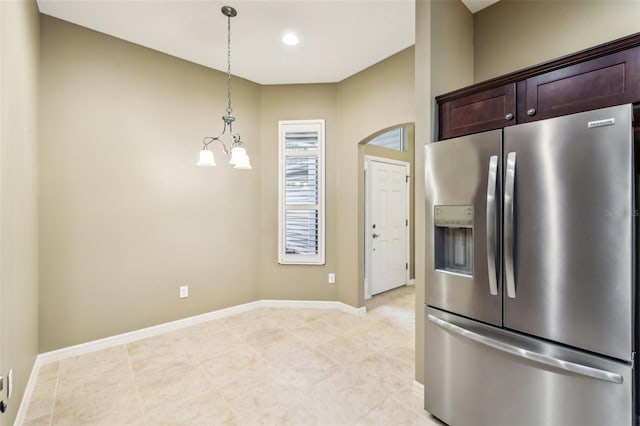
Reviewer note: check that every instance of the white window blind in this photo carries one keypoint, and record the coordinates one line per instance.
(301, 180)
(301, 188)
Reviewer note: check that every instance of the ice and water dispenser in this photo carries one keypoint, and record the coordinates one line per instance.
(454, 239)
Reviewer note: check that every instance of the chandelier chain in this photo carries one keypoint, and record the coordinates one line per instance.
(229, 65)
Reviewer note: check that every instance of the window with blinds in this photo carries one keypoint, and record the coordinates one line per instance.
(301, 188)
(393, 139)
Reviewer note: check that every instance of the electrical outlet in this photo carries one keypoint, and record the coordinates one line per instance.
(332, 278)
(184, 291)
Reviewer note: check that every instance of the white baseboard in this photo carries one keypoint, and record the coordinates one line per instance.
(412, 282)
(83, 348)
(418, 388)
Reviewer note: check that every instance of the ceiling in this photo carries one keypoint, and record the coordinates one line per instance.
(338, 38)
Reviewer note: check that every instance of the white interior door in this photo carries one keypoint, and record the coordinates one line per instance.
(387, 224)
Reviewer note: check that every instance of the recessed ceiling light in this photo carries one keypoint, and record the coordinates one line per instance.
(290, 39)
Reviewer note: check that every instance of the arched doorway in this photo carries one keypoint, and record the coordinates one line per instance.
(388, 186)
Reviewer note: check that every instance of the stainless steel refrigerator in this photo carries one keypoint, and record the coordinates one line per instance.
(531, 274)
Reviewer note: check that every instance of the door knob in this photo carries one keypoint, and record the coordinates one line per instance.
(531, 111)
(374, 235)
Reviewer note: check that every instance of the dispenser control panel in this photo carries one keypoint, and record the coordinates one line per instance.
(454, 216)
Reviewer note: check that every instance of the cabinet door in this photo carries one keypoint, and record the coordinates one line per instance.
(488, 110)
(602, 82)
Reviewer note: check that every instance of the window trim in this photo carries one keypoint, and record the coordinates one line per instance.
(286, 126)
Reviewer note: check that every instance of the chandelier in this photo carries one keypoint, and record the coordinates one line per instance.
(235, 152)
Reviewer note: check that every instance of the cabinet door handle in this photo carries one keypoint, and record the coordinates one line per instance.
(531, 111)
(508, 116)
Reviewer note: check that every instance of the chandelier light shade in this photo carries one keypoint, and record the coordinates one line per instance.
(236, 152)
(206, 157)
(239, 158)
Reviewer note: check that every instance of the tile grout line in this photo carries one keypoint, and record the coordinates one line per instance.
(55, 394)
(252, 349)
(208, 373)
(410, 406)
(135, 386)
(371, 410)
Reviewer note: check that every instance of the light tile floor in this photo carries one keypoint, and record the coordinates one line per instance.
(270, 366)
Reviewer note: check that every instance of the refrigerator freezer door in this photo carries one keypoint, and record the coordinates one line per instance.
(478, 375)
(466, 172)
(571, 249)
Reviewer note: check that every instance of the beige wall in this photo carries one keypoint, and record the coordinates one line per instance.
(423, 130)
(452, 55)
(444, 62)
(296, 102)
(125, 216)
(514, 34)
(379, 97)
(19, 46)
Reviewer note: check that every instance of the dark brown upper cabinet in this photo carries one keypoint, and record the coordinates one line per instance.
(487, 110)
(599, 77)
(606, 81)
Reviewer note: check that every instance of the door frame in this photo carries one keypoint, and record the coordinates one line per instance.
(368, 159)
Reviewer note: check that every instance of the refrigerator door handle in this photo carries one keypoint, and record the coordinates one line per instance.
(491, 224)
(509, 241)
(583, 370)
